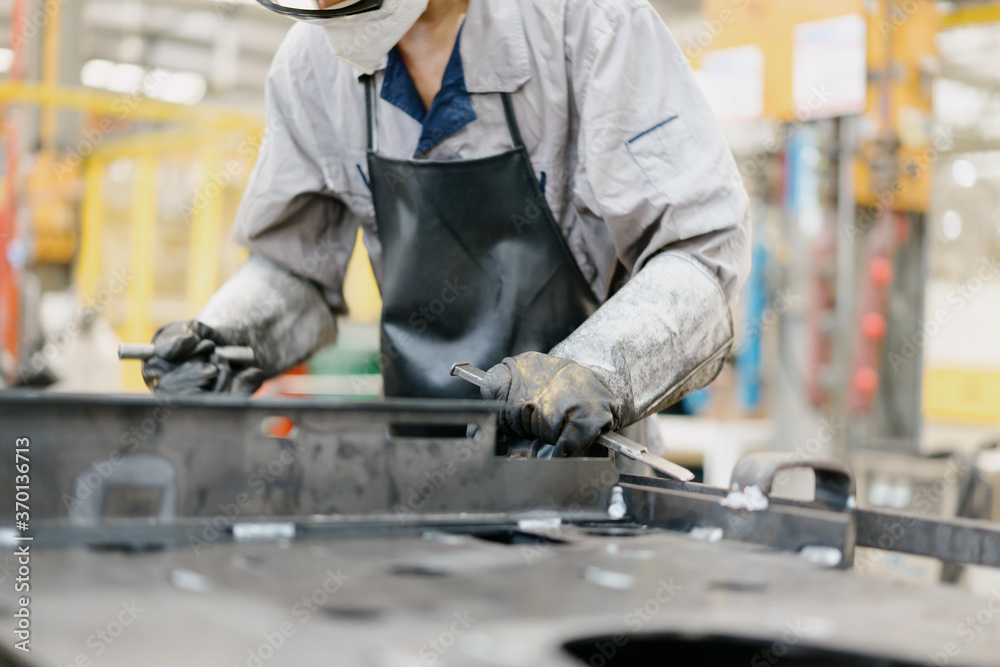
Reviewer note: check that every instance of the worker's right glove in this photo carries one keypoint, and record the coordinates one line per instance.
(556, 401)
(185, 362)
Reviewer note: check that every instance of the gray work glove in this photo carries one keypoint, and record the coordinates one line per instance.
(281, 316)
(556, 401)
(664, 334)
(185, 362)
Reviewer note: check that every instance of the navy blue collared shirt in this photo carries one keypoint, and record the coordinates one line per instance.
(451, 109)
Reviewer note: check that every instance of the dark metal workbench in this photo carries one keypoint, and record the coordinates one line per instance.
(197, 532)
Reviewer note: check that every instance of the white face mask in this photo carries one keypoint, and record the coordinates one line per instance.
(363, 40)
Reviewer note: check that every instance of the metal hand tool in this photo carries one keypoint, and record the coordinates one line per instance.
(142, 351)
(613, 441)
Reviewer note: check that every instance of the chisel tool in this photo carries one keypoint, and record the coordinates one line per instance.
(142, 351)
(613, 441)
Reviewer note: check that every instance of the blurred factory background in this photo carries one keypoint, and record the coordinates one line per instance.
(867, 132)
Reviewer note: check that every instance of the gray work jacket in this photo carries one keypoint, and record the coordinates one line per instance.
(631, 155)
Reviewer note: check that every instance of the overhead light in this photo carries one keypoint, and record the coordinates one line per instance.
(119, 77)
(125, 78)
(178, 87)
(181, 88)
(95, 73)
(951, 225)
(120, 170)
(964, 173)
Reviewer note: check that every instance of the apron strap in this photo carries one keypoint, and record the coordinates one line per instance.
(371, 100)
(515, 131)
(370, 112)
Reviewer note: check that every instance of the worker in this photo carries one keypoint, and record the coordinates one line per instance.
(543, 190)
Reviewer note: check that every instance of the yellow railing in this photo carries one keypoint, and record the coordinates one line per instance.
(119, 105)
(164, 244)
(123, 228)
(176, 254)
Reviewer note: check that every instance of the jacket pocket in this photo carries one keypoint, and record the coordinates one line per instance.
(348, 180)
(669, 156)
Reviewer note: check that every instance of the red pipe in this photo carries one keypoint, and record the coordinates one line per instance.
(9, 297)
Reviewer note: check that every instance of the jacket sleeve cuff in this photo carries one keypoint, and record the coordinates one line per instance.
(663, 335)
(283, 317)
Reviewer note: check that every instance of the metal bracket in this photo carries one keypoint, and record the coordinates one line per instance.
(834, 480)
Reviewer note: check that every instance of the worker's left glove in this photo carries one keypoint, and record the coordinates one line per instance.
(185, 362)
(283, 318)
(554, 400)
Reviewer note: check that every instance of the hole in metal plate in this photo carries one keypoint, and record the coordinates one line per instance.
(131, 501)
(737, 585)
(617, 532)
(516, 537)
(354, 612)
(419, 570)
(719, 651)
(436, 431)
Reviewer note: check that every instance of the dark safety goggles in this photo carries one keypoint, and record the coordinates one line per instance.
(295, 9)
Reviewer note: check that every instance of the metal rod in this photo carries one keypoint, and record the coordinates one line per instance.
(956, 540)
(143, 351)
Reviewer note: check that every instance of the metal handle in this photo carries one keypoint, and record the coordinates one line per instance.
(142, 351)
(834, 481)
(613, 441)
(132, 473)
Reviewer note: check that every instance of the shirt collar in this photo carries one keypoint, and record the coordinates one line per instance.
(493, 47)
(451, 110)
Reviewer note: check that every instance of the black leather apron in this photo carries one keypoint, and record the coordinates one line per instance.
(475, 268)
